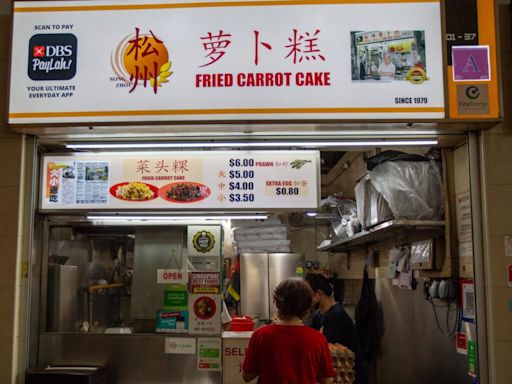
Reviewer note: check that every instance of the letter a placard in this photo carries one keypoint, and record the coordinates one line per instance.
(471, 62)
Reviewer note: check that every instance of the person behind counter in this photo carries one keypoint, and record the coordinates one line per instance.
(332, 320)
(287, 352)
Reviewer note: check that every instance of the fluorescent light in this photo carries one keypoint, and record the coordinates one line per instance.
(205, 218)
(256, 144)
(311, 214)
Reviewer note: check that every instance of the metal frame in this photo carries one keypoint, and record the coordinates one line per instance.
(27, 298)
(479, 257)
(78, 211)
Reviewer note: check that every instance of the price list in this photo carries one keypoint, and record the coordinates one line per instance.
(280, 180)
(241, 184)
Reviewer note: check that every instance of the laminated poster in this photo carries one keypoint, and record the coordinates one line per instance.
(205, 282)
(204, 247)
(70, 183)
(204, 311)
(176, 297)
(209, 354)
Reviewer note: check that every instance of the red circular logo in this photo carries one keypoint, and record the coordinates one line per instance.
(205, 307)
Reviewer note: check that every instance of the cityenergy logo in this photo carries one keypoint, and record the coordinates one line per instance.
(142, 59)
(472, 92)
(52, 56)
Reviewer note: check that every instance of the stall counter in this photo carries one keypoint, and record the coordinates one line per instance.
(234, 345)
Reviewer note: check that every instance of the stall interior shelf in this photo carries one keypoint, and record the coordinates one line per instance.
(385, 231)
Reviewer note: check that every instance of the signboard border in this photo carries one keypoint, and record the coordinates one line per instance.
(232, 115)
(191, 210)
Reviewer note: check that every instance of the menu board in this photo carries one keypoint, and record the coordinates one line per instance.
(181, 180)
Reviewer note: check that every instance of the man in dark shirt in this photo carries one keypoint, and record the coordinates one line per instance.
(332, 320)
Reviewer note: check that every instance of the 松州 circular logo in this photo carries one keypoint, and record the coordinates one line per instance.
(203, 241)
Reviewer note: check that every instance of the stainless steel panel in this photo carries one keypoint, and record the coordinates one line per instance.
(62, 293)
(154, 248)
(413, 349)
(280, 267)
(130, 359)
(254, 293)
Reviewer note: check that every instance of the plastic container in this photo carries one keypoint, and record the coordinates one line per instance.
(242, 324)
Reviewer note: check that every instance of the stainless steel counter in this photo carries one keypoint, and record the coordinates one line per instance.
(131, 359)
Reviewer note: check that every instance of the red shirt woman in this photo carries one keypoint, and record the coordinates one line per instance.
(288, 352)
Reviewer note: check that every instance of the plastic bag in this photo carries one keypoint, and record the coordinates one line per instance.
(385, 156)
(372, 208)
(422, 254)
(413, 190)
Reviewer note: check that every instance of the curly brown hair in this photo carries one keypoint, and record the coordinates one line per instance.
(293, 297)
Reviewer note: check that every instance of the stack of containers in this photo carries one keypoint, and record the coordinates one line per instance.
(262, 238)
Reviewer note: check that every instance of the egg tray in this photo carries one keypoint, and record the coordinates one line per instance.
(343, 364)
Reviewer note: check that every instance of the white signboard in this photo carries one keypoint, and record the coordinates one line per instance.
(171, 276)
(181, 180)
(164, 60)
(204, 314)
(464, 224)
(180, 345)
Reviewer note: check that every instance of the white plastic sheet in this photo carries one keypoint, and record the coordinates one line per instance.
(413, 190)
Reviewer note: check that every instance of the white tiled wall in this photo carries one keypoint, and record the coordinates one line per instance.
(497, 189)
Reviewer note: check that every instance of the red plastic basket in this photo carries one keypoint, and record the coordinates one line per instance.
(242, 324)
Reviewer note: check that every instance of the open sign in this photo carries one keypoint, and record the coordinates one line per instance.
(172, 276)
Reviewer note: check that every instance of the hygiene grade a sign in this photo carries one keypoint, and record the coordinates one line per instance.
(181, 180)
(161, 60)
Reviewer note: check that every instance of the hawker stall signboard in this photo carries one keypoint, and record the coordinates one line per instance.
(162, 60)
(181, 180)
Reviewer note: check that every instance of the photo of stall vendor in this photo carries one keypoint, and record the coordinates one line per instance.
(387, 55)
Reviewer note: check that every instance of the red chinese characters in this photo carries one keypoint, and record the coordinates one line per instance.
(143, 166)
(53, 184)
(300, 46)
(180, 166)
(215, 45)
(257, 44)
(145, 59)
(304, 46)
(160, 168)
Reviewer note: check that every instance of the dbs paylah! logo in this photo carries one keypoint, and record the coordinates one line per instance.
(52, 56)
(142, 59)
